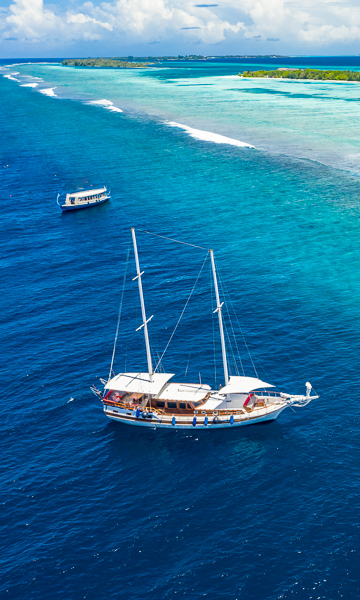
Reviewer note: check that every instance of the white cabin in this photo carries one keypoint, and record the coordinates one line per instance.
(86, 197)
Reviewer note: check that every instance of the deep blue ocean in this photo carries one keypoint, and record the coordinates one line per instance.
(94, 509)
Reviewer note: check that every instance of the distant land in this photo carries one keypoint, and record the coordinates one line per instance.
(314, 74)
(103, 62)
(299, 67)
(130, 61)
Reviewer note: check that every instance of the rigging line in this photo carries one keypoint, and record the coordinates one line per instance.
(231, 348)
(171, 239)
(233, 332)
(157, 356)
(297, 368)
(125, 359)
(226, 295)
(188, 363)
(235, 341)
(119, 315)
(241, 331)
(191, 344)
(183, 310)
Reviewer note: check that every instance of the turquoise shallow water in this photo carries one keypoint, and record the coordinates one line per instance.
(302, 119)
(93, 509)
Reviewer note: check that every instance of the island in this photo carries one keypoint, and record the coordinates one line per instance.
(314, 74)
(104, 62)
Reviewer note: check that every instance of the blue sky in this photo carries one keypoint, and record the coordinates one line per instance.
(33, 28)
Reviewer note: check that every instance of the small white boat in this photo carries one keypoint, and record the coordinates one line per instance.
(151, 400)
(84, 199)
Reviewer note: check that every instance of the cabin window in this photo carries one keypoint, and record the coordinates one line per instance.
(160, 404)
(171, 404)
(182, 405)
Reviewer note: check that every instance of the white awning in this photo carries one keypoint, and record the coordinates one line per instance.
(213, 402)
(243, 385)
(138, 383)
(189, 392)
(88, 193)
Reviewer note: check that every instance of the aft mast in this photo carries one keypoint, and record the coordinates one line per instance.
(218, 310)
(145, 322)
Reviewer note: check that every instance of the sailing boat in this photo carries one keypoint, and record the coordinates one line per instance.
(152, 400)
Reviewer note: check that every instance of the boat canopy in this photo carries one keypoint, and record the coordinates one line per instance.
(138, 383)
(243, 385)
(189, 392)
(213, 402)
(86, 193)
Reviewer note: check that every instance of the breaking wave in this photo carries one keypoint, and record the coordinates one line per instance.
(10, 76)
(208, 136)
(32, 85)
(106, 104)
(48, 92)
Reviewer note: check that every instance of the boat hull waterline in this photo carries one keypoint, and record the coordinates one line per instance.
(221, 423)
(88, 205)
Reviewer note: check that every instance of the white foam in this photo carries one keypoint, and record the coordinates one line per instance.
(101, 102)
(113, 109)
(31, 63)
(208, 136)
(48, 92)
(32, 85)
(106, 104)
(10, 77)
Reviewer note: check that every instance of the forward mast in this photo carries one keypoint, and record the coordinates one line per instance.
(143, 312)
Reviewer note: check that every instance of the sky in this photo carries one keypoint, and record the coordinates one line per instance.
(71, 28)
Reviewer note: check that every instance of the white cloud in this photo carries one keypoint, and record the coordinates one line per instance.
(81, 19)
(305, 24)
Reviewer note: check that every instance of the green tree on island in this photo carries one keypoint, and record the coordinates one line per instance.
(314, 74)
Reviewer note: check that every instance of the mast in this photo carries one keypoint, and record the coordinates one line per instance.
(145, 322)
(218, 310)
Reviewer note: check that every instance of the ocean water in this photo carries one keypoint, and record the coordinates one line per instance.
(93, 509)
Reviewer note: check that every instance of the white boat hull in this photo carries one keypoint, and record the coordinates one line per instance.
(251, 418)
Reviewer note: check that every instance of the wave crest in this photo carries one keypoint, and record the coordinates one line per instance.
(208, 136)
(48, 92)
(106, 104)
